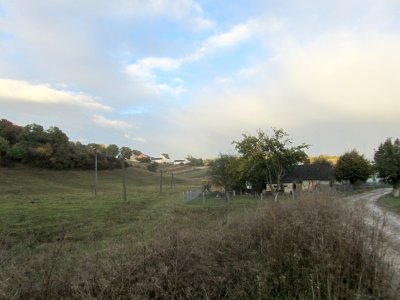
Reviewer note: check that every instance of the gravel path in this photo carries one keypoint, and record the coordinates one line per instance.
(392, 227)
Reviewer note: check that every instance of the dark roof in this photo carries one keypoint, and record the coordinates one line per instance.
(308, 172)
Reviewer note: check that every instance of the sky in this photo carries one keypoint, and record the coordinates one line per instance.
(188, 77)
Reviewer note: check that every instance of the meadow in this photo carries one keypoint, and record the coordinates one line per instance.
(59, 240)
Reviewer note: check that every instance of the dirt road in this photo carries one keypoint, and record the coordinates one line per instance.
(392, 228)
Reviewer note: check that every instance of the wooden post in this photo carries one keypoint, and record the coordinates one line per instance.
(95, 172)
(161, 180)
(172, 181)
(123, 177)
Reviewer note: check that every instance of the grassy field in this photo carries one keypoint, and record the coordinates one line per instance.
(46, 206)
(40, 208)
(391, 203)
(59, 240)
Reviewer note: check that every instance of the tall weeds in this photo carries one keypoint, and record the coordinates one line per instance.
(307, 249)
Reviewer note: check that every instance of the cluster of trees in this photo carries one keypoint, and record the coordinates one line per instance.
(264, 161)
(33, 145)
(355, 168)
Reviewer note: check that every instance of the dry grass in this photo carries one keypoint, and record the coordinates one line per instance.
(308, 249)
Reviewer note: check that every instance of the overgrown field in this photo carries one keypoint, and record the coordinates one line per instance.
(57, 240)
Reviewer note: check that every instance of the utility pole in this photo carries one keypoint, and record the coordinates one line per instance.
(95, 172)
(172, 181)
(161, 180)
(123, 176)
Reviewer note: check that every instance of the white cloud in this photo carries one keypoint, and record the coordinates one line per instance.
(351, 74)
(134, 138)
(21, 91)
(146, 68)
(338, 78)
(188, 11)
(236, 35)
(115, 124)
(144, 72)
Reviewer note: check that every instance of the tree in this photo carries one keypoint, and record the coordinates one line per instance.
(196, 162)
(126, 152)
(112, 150)
(136, 152)
(352, 167)
(9, 131)
(4, 146)
(60, 149)
(266, 158)
(225, 172)
(387, 163)
(33, 134)
(100, 148)
(166, 155)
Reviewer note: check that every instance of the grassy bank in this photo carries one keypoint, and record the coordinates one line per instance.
(391, 203)
(57, 240)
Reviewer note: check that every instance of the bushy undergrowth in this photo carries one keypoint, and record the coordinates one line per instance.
(307, 249)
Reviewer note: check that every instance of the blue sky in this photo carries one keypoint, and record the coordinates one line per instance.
(189, 77)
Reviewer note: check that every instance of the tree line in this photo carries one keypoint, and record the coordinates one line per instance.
(51, 149)
(266, 161)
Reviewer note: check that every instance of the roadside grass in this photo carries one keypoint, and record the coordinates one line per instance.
(391, 203)
(57, 240)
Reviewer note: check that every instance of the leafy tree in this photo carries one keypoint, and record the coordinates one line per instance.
(60, 155)
(196, 162)
(9, 131)
(4, 146)
(100, 148)
(165, 155)
(352, 167)
(112, 150)
(387, 163)
(136, 152)
(17, 152)
(49, 148)
(33, 134)
(266, 158)
(126, 152)
(225, 172)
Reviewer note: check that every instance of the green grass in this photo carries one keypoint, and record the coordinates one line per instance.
(59, 240)
(40, 208)
(391, 203)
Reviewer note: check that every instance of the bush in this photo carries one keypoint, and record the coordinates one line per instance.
(153, 167)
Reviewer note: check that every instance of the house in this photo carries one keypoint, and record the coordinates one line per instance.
(142, 157)
(133, 158)
(181, 162)
(163, 159)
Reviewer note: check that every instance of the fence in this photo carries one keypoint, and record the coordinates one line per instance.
(191, 195)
